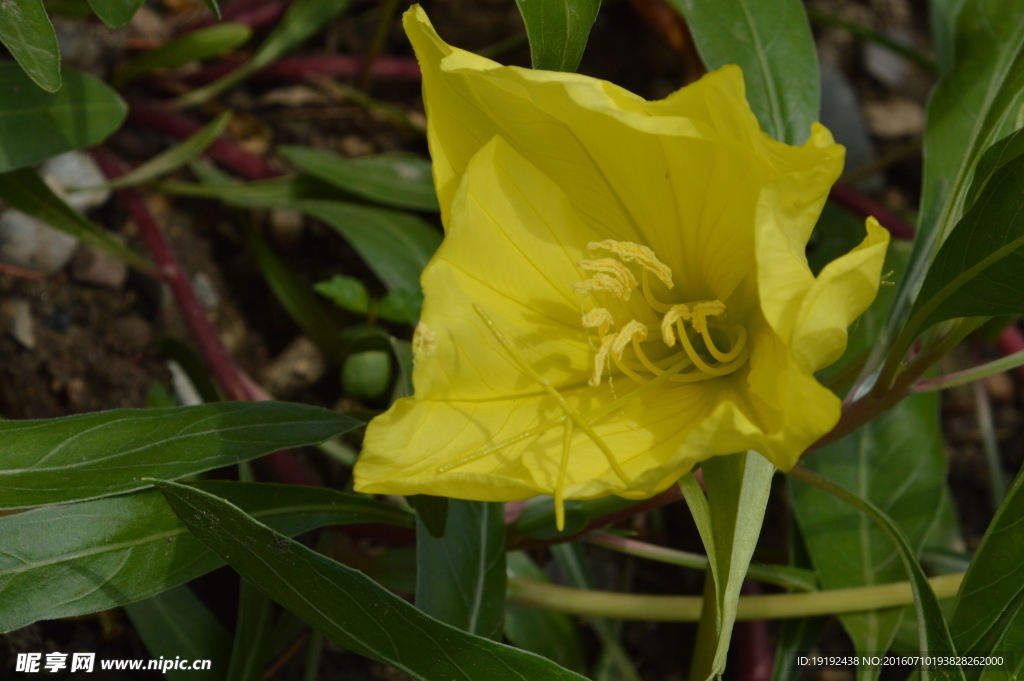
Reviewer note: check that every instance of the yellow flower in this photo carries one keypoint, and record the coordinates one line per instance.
(622, 291)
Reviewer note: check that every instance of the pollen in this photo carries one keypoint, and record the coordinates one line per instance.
(642, 255)
(607, 269)
(602, 282)
(631, 331)
(424, 341)
(597, 318)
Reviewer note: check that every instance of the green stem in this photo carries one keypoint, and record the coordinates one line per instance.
(865, 33)
(784, 576)
(687, 608)
(990, 444)
(969, 375)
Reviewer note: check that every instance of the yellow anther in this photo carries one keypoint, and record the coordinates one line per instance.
(674, 313)
(701, 311)
(601, 359)
(602, 282)
(612, 267)
(631, 252)
(631, 331)
(597, 318)
(424, 341)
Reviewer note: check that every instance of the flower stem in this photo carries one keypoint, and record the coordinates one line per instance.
(969, 375)
(687, 608)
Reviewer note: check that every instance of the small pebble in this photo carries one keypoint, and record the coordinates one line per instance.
(1000, 387)
(17, 320)
(95, 267)
(895, 118)
(299, 366)
(27, 242)
(286, 227)
(205, 291)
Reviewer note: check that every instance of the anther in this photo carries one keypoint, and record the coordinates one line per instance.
(631, 252)
(601, 359)
(614, 268)
(701, 311)
(629, 333)
(676, 312)
(602, 282)
(597, 318)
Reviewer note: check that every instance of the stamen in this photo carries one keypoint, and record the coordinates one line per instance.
(629, 332)
(695, 376)
(631, 252)
(649, 297)
(737, 345)
(648, 364)
(597, 318)
(701, 364)
(424, 341)
(602, 282)
(674, 314)
(560, 485)
(624, 368)
(701, 311)
(550, 389)
(601, 359)
(614, 268)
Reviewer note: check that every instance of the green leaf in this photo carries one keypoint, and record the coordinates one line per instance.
(558, 31)
(897, 462)
(173, 158)
(551, 634)
(989, 611)
(348, 606)
(101, 554)
(729, 521)
(35, 125)
(978, 271)
(347, 293)
(303, 19)
(431, 512)
(25, 190)
(275, 193)
(572, 559)
(935, 639)
(460, 577)
(176, 623)
(27, 33)
(93, 455)
(249, 651)
(974, 105)
(198, 45)
(115, 13)
(397, 179)
(942, 15)
(297, 297)
(395, 245)
(994, 158)
(401, 306)
(771, 41)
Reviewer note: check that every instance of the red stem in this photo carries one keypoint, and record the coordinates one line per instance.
(864, 206)
(236, 385)
(301, 68)
(224, 152)
(754, 646)
(230, 12)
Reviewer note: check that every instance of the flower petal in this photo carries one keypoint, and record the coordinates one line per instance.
(840, 294)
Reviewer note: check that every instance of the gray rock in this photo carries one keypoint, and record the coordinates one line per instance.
(16, 316)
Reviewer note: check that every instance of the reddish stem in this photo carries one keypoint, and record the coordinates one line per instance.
(236, 385)
(754, 646)
(864, 206)
(230, 12)
(262, 17)
(224, 152)
(301, 68)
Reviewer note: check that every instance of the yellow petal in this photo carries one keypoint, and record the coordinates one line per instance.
(840, 294)
(787, 211)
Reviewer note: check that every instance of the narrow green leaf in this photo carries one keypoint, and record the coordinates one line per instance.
(101, 554)
(25, 190)
(396, 179)
(897, 462)
(935, 639)
(348, 606)
(551, 634)
(27, 33)
(51, 461)
(989, 610)
(942, 15)
(460, 577)
(303, 19)
(35, 125)
(974, 105)
(432, 512)
(572, 559)
(729, 521)
(249, 651)
(297, 297)
(199, 45)
(993, 160)
(558, 31)
(176, 623)
(275, 193)
(978, 271)
(115, 13)
(771, 41)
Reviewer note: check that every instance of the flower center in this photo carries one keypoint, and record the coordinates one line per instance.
(710, 346)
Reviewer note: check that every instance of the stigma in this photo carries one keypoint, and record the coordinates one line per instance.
(696, 341)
